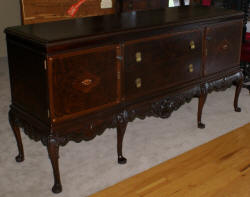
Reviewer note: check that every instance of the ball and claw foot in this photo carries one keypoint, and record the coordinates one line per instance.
(57, 188)
(19, 158)
(238, 109)
(201, 125)
(122, 160)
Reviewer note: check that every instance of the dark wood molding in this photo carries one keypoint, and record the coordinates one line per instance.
(53, 151)
(224, 83)
(160, 108)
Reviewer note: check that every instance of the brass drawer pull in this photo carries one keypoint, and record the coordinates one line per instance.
(192, 45)
(86, 82)
(191, 68)
(138, 57)
(138, 82)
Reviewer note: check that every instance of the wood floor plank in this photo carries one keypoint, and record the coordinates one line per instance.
(216, 169)
(238, 187)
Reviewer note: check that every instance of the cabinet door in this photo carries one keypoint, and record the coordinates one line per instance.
(162, 62)
(223, 42)
(84, 81)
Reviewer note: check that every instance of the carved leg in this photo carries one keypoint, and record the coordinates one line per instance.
(53, 150)
(202, 100)
(16, 130)
(120, 134)
(236, 98)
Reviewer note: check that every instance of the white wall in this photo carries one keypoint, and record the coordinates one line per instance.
(9, 16)
(248, 26)
(171, 3)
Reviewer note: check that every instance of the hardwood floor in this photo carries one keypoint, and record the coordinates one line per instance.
(220, 168)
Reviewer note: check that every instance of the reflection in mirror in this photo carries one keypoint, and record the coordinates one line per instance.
(218, 3)
(174, 3)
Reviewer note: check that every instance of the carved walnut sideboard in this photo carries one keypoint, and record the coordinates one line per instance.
(73, 79)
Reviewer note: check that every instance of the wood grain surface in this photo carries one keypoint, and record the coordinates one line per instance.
(220, 168)
(37, 11)
(85, 67)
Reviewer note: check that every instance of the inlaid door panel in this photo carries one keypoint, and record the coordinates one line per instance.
(84, 81)
(162, 62)
(223, 43)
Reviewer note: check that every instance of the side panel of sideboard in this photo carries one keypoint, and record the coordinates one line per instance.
(28, 80)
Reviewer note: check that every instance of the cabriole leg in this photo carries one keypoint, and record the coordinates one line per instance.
(53, 151)
(16, 131)
(237, 94)
(120, 134)
(202, 100)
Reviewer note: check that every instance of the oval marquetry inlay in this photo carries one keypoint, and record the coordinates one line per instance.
(224, 45)
(86, 82)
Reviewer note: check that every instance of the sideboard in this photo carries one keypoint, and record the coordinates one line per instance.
(73, 79)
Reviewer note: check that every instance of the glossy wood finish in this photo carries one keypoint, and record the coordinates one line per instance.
(120, 134)
(17, 134)
(71, 80)
(28, 80)
(202, 100)
(85, 80)
(237, 93)
(38, 11)
(173, 56)
(53, 151)
(55, 33)
(222, 42)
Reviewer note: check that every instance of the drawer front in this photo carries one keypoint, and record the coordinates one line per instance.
(223, 47)
(162, 62)
(84, 81)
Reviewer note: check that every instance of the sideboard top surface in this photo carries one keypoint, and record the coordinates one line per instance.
(128, 21)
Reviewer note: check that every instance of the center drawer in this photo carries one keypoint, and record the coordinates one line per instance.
(161, 62)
